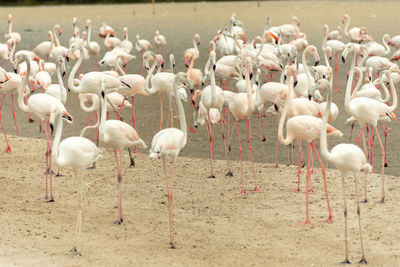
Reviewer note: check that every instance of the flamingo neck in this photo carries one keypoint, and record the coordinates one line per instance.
(63, 92)
(359, 82)
(21, 89)
(150, 91)
(250, 100)
(57, 42)
(304, 61)
(10, 27)
(387, 94)
(289, 138)
(346, 27)
(56, 141)
(71, 85)
(393, 89)
(349, 84)
(387, 48)
(195, 46)
(181, 112)
(94, 126)
(324, 148)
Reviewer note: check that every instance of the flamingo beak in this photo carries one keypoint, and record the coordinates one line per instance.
(67, 116)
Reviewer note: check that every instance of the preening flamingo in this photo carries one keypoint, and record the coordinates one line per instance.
(118, 135)
(167, 144)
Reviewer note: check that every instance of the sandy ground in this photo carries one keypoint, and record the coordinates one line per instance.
(214, 224)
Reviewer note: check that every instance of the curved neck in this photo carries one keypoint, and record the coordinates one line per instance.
(288, 140)
(387, 95)
(364, 58)
(195, 45)
(12, 59)
(89, 34)
(349, 84)
(250, 99)
(10, 27)
(212, 81)
(21, 89)
(261, 48)
(305, 66)
(63, 93)
(323, 142)
(57, 42)
(359, 82)
(94, 126)
(346, 27)
(56, 140)
(181, 111)
(150, 91)
(324, 40)
(71, 85)
(393, 89)
(387, 48)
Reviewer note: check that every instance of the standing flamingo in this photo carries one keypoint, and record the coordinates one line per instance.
(46, 107)
(78, 153)
(160, 42)
(167, 143)
(118, 135)
(93, 47)
(347, 158)
(307, 128)
(12, 35)
(126, 45)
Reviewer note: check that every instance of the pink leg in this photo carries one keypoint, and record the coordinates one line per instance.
(386, 134)
(169, 186)
(119, 169)
(383, 164)
(13, 111)
(330, 217)
(211, 143)
(48, 162)
(336, 74)
(371, 143)
(241, 163)
(298, 170)
(256, 189)
(307, 183)
(161, 116)
(8, 148)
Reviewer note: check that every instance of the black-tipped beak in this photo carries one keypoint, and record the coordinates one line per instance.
(370, 79)
(251, 76)
(276, 107)
(146, 68)
(102, 94)
(330, 58)
(68, 118)
(276, 41)
(162, 65)
(51, 128)
(69, 90)
(256, 83)
(323, 76)
(193, 103)
(202, 83)
(316, 63)
(187, 66)
(15, 70)
(214, 67)
(173, 65)
(67, 58)
(343, 60)
(63, 74)
(295, 83)
(309, 97)
(284, 77)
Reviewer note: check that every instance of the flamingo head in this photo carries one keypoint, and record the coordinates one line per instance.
(10, 17)
(197, 38)
(345, 18)
(333, 131)
(68, 117)
(87, 24)
(58, 29)
(326, 29)
(296, 20)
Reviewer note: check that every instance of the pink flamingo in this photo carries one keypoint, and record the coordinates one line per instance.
(167, 143)
(336, 47)
(242, 106)
(46, 107)
(118, 135)
(125, 44)
(78, 153)
(93, 47)
(44, 48)
(13, 35)
(355, 34)
(347, 158)
(307, 128)
(160, 42)
(111, 42)
(58, 50)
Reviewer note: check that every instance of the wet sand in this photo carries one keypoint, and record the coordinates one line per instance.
(214, 225)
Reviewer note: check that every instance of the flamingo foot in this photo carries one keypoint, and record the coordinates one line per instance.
(385, 165)
(311, 191)
(48, 200)
(297, 190)
(74, 252)
(305, 223)
(262, 139)
(118, 222)
(365, 201)
(383, 200)
(211, 176)
(329, 220)
(172, 245)
(256, 190)
(276, 165)
(31, 120)
(243, 192)
(335, 90)
(132, 163)
(8, 149)
(59, 175)
(192, 130)
(314, 172)
(230, 174)
(346, 261)
(363, 261)
(93, 166)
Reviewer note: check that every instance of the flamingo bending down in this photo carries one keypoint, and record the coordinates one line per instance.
(167, 143)
(307, 128)
(118, 135)
(347, 158)
(78, 153)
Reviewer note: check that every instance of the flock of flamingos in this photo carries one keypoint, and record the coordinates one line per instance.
(302, 98)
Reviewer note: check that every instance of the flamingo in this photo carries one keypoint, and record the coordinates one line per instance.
(12, 35)
(93, 47)
(58, 90)
(367, 110)
(160, 42)
(126, 45)
(242, 106)
(44, 49)
(212, 97)
(347, 158)
(355, 34)
(194, 50)
(142, 45)
(78, 153)
(5, 52)
(58, 50)
(376, 49)
(111, 42)
(394, 41)
(118, 135)
(335, 34)
(307, 128)
(42, 77)
(336, 47)
(46, 107)
(167, 144)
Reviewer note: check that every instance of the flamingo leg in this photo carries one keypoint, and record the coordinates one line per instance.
(169, 186)
(226, 151)
(336, 75)
(262, 138)
(277, 146)
(211, 143)
(241, 162)
(8, 148)
(371, 151)
(13, 111)
(365, 177)
(74, 251)
(161, 116)
(307, 221)
(119, 169)
(133, 116)
(363, 260)
(171, 112)
(330, 217)
(256, 188)
(386, 134)
(383, 165)
(48, 163)
(345, 221)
